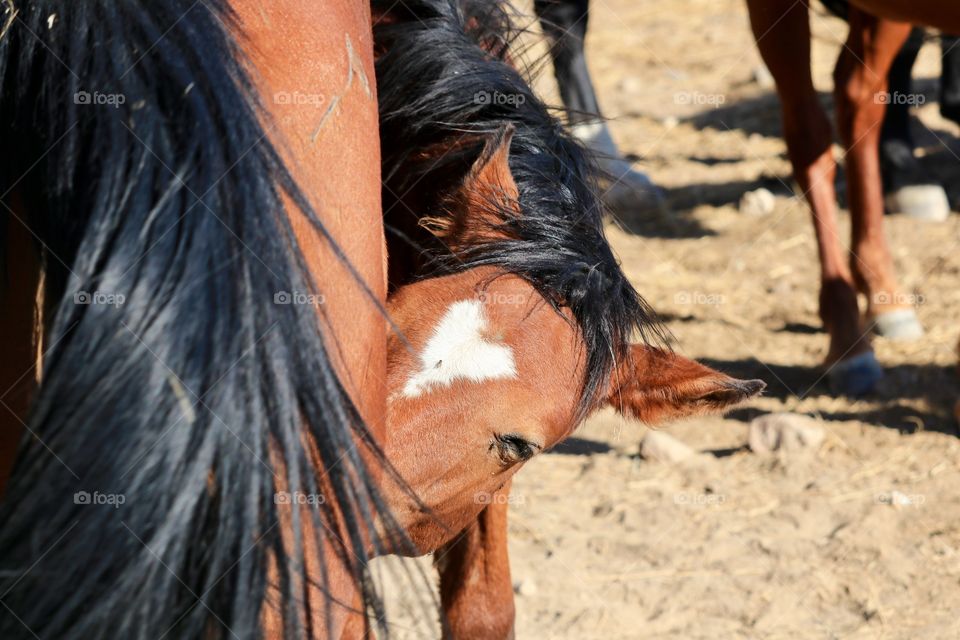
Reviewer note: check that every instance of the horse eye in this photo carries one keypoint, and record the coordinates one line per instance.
(512, 448)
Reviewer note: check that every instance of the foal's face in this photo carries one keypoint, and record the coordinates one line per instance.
(490, 376)
(487, 375)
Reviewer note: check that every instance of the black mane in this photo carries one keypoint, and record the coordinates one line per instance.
(193, 397)
(439, 88)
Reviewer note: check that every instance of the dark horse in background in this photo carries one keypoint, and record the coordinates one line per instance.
(627, 191)
(781, 29)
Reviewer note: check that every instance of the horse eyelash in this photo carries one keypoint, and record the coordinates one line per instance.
(522, 448)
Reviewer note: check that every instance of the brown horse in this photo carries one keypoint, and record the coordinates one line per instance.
(484, 374)
(782, 33)
(482, 382)
(944, 16)
(462, 354)
(177, 179)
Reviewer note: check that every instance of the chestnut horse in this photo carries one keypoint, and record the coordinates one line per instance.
(527, 330)
(157, 251)
(782, 31)
(485, 376)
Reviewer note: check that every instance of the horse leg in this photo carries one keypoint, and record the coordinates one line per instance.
(896, 120)
(908, 187)
(475, 588)
(950, 79)
(782, 32)
(564, 22)
(861, 85)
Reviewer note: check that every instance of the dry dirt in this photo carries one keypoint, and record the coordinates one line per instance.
(606, 545)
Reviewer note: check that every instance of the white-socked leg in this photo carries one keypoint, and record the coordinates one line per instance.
(628, 191)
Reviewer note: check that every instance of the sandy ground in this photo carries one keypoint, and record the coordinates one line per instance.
(606, 545)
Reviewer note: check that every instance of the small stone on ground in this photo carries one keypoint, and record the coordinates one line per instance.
(784, 431)
(758, 203)
(658, 446)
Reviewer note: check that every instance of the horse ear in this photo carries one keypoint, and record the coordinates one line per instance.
(476, 211)
(490, 175)
(654, 385)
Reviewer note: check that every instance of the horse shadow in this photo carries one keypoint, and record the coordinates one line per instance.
(721, 194)
(936, 385)
(760, 115)
(576, 446)
(673, 224)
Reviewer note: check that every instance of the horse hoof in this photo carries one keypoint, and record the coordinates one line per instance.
(855, 376)
(921, 202)
(901, 324)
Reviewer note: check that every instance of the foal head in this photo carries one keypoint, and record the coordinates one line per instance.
(486, 372)
(488, 375)
(482, 383)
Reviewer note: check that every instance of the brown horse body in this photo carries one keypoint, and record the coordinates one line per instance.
(483, 375)
(331, 147)
(782, 32)
(460, 423)
(930, 13)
